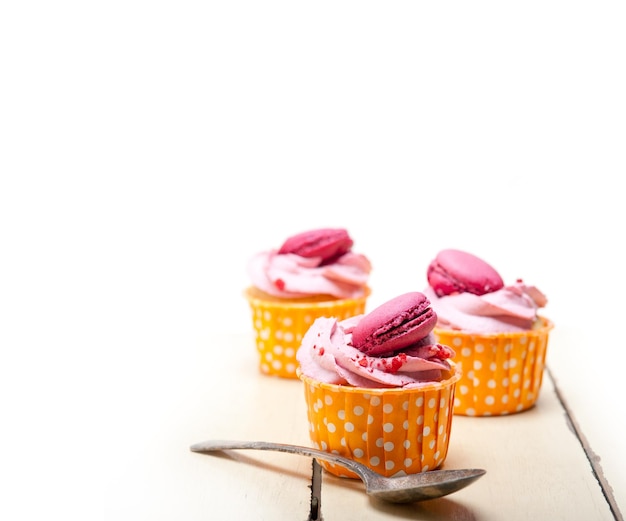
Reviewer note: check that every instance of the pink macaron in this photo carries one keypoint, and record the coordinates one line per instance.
(398, 323)
(327, 243)
(456, 271)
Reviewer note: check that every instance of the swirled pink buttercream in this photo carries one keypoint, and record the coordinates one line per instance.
(291, 276)
(326, 354)
(509, 309)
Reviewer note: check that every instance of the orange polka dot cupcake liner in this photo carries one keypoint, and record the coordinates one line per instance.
(394, 432)
(280, 324)
(500, 373)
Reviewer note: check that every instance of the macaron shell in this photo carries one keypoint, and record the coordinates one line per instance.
(456, 271)
(328, 243)
(396, 324)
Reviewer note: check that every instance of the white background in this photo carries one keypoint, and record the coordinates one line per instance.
(147, 149)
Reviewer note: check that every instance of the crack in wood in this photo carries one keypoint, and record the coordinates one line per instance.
(592, 457)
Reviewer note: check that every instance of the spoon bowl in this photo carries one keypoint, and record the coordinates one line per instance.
(402, 489)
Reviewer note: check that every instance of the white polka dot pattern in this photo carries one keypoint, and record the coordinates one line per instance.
(501, 373)
(280, 325)
(393, 431)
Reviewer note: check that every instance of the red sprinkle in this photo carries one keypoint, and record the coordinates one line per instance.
(441, 352)
(397, 362)
(321, 351)
(280, 284)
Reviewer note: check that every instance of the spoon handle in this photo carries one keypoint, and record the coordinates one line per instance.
(217, 445)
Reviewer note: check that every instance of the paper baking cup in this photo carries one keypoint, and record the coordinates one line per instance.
(279, 326)
(500, 373)
(393, 431)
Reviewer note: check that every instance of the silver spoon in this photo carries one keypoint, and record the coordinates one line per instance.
(403, 489)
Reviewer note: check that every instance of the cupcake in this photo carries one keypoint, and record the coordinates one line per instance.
(313, 274)
(495, 329)
(379, 389)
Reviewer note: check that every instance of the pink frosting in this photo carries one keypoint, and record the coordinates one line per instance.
(510, 309)
(291, 276)
(327, 355)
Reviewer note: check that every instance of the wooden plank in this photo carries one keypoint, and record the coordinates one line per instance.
(536, 468)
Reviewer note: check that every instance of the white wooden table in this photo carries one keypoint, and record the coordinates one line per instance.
(536, 466)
